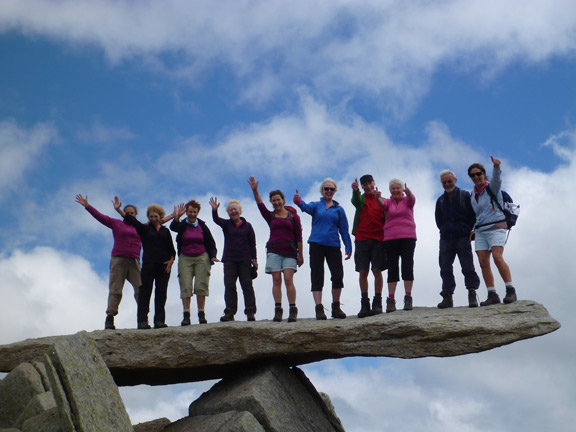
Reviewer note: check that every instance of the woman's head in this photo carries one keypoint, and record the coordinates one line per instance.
(234, 209)
(328, 187)
(131, 210)
(477, 173)
(192, 209)
(277, 199)
(155, 213)
(396, 187)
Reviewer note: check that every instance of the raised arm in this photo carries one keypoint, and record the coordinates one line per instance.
(82, 200)
(118, 206)
(254, 186)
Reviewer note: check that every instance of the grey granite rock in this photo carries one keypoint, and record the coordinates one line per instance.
(201, 352)
(157, 425)
(231, 421)
(39, 404)
(17, 390)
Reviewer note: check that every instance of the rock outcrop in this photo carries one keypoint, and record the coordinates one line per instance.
(217, 350)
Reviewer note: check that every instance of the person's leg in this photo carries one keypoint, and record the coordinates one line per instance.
(133, 276)
(145, 292)
(446, 256)
(231, 273)
(118, 273)
(464, 251)
(245, 277)
(160, 295)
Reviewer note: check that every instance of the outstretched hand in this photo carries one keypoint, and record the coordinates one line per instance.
(214, 203)
(82, 200)
(253, 183)
(495, 162)
(179, 210)
(377, 193)
(355, 186)
(116, 203)
(297, 199)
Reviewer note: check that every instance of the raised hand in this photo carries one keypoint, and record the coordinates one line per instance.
(179, 210)
(355, 185)
(297, 199)
(495, 162)
(116, 203)
(214, 203)
(253, 183)
(82, 200)
(377, 193)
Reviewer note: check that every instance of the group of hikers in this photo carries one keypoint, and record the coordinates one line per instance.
(384, 232)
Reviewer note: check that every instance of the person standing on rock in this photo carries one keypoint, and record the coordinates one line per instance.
(157, 260)
(490, 230)
(239, 257)
(455, 219)
(196, 255)
(368, 230)
(283, 249)
(125, 260)
(399, 240)
(329, 223)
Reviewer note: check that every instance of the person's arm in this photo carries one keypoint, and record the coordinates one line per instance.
(209, 243)
(252, 244)
(343, 229)
(356, 202)
(438, 213)
(409, 196)
(254, 186)
(179, 210)
(103, 219)
(118, 206)
(496, 180)
(170, 245)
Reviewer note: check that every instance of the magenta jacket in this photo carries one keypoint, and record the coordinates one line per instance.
(127, 242)
(399, 222)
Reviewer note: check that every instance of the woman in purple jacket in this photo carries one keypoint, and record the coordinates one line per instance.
(125, 260)
(239, 256)
(283, 249)
(399, 240)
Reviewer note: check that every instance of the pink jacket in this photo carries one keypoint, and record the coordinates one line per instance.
(399, 222)
(127, 242)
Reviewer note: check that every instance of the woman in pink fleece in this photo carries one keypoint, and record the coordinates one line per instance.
(125, 261)
(399, 240)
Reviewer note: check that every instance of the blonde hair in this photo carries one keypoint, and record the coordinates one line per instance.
(327, 180)
(156, 208)
(234, 201)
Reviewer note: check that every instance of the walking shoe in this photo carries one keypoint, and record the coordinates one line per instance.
(337, 312)
(320, 315)
(159, 324)
(278, 311)
(390, 304)
(446, 301)
(250, 311)
(510, 295)
(143, 325)
(293, 316)
(202, 317)
(228, 315)
(109, 323)
(492, 299)
(472, 298)
(364, 308)
(186, 320)
(376, 305)
(407, 302)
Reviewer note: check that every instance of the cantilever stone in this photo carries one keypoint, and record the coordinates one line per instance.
(201, 352)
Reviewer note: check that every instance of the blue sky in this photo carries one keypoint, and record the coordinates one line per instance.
(164, 102)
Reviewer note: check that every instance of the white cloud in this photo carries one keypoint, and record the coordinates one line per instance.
(19, 152)
(386, 50)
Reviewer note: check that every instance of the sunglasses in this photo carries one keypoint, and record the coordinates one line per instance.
(329, 189)
(476, 174)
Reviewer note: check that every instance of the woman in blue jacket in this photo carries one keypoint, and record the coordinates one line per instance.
(490, 230)
(329, 223)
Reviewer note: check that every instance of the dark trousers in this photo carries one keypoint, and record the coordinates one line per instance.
(449, 248)
(396, 249)
(153, 272)
(333, 257)
(234, 270)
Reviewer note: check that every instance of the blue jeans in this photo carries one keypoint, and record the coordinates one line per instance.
(449, 248)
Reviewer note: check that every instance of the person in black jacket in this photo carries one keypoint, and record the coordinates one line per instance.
(196, 255)
(455, 219)
(158, 257)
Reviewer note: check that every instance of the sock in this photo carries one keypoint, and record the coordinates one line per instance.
(278, 304)
(391, 296)
(409, 293)
(292, 304)
(186, 310)
(509, 284)
(364, 295)
(378, 296)
(491, 289)
(200, 310)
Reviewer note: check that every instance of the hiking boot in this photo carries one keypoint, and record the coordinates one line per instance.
(407, 302)
(320, 315)
(186, 320)
(492, 299)
(293, 316)
(228, 315)
(202, 317)
(250, 311)
(158, 325)
(510, 295)
(364, 308)
(472, 298)
(278, 311)
(376, 305)
(390, 305)
(143, 325)
(109, 323)
(446, 301)
(337, 312)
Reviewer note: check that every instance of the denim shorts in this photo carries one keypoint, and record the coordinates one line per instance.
(277, 263)
(486, 240)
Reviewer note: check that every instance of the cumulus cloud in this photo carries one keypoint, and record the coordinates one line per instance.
(384, 50)
(19, 151)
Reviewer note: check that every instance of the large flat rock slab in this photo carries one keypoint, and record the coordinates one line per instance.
(212, 351)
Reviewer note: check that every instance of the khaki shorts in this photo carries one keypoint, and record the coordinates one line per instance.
(194, 275)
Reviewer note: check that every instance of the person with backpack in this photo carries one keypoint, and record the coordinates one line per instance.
(455, 219)
(490, 229)
(329, 223)
(283, 249)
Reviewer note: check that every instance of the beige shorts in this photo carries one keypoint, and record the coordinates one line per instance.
(194, 275)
